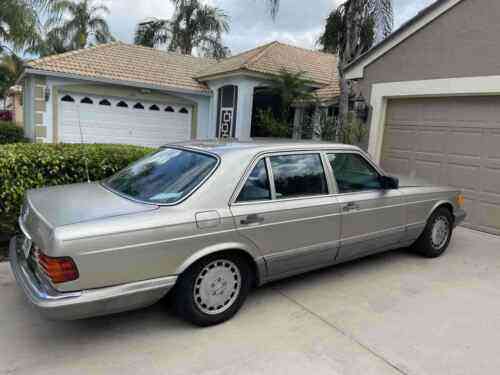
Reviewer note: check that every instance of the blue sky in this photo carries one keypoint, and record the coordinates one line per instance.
(299, 21)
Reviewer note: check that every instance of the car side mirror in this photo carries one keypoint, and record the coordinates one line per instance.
(389, 182)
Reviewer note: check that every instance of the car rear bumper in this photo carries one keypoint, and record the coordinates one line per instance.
(460, 216)
(85, 303)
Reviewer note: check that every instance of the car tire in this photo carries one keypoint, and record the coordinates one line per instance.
(436, 237)
(213, 289)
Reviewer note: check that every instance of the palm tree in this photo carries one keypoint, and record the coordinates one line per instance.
(80, 23)
(53, 43)
(193, 25)
(20, 23)
(11, 67)
(152, 33)
(350, 30)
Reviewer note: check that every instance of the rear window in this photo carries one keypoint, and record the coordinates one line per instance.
(164, 177)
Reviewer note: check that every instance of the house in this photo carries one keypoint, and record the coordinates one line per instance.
(434, 91)
(15, 104)
(121, 93)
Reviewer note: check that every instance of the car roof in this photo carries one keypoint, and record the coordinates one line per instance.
(255, 147)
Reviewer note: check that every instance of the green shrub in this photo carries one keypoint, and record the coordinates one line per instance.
(29, 166)
(272, 126)
(10, 133)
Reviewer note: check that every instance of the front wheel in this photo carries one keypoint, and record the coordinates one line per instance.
(213, 289)
(437, 234)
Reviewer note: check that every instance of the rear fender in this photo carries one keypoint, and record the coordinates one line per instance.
(259, 261)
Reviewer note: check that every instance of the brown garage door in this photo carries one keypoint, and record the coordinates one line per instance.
(453, 141)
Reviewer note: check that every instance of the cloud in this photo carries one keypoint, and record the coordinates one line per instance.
(299, 22)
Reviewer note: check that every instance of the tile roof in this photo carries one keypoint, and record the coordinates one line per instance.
(130, 63)
(319, 67)
(328, 92)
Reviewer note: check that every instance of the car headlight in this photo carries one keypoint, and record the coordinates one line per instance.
(460, 200)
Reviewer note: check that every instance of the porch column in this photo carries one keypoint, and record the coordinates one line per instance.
(244, 110)
(297, 123)
(316, 124)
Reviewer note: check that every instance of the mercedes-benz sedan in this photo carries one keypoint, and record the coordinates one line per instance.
(207, 221)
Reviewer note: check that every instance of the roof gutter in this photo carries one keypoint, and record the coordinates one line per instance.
(170, 89)
(355, 70)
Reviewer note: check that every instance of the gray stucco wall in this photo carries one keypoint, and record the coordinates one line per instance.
(463, 42)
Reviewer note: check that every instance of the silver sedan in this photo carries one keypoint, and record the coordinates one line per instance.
(207, 221)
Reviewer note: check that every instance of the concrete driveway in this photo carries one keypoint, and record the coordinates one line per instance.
(394, 313)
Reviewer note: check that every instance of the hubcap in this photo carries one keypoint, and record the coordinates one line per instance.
(217, 287)
(440, 232)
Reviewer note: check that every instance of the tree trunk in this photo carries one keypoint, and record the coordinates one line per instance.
(343, 105)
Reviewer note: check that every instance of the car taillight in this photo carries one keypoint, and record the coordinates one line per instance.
(59, 270)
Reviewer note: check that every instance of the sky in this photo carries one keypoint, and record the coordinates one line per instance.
(299, 22)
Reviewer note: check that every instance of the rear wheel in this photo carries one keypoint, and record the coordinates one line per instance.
(437, 234)
(213, 289)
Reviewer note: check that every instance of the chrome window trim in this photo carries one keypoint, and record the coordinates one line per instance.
(266, 155)
(202, 182)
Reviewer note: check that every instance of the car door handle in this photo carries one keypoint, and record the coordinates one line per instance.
(252, 219)
(351, 206)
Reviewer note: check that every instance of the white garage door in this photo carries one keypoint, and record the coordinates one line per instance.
(450, 141)
(121, 120)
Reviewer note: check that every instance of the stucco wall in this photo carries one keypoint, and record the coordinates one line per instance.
(463, 42)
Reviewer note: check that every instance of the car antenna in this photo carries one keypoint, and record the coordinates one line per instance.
(85, 159)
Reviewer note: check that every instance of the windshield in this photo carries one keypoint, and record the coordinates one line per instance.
(163, 177)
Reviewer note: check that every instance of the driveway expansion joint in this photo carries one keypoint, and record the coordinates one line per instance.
(344, 333)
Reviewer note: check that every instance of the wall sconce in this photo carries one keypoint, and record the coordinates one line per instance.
(47, 94)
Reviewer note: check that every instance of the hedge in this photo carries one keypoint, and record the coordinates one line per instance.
(27, 166)
(10, 133)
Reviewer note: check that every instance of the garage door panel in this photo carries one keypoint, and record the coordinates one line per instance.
(493, 145)
(463, 176)
(452, 141)
(400, 139)
(489, 215)
(491, 181)
(465, 143)
(431, 171)
(127, 125)
(430, 141)
(396, 165)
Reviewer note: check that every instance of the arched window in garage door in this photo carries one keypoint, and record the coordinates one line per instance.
(138, 106)
(122, 104)
(105, 102)
(169, 109)
(67, 98)
(154, 107)
(184, 110)
(87, 100)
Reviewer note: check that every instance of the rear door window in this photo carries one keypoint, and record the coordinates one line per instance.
(299, 175)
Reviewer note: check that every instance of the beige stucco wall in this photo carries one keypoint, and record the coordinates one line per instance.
(463, 42)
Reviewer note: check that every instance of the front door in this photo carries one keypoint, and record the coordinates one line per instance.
(373, 218)
(285, 209)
